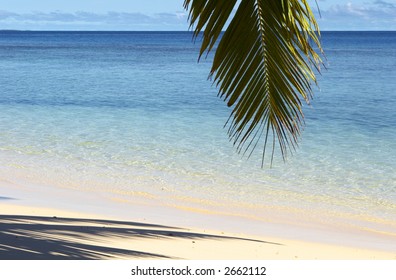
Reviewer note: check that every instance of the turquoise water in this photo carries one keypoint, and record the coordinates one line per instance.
(132, 114)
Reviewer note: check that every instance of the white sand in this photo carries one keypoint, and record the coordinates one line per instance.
(36, 223)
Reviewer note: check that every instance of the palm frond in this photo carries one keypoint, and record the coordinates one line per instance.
(263, 65)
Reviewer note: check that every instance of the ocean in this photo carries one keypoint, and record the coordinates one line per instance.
(132, 115)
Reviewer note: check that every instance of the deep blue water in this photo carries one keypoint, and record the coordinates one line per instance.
(133, 113)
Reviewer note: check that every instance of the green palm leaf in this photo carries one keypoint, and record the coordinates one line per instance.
(263, 65)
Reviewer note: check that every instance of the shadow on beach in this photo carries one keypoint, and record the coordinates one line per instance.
(45, 238)
(6, 198)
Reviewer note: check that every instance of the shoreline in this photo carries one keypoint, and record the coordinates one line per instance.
(101, 228)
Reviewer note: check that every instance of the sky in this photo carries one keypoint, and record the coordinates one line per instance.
(170, 14)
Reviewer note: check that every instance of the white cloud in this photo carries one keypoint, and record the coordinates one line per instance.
(385, 4)
(376, 15)
(373, 15)
(93, 21)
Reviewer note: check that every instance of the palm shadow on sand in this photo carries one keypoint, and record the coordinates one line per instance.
(46, 238)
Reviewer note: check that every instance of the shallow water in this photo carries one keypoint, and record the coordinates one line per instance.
(132, 114)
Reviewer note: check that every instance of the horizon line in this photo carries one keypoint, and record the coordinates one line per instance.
(81, 30)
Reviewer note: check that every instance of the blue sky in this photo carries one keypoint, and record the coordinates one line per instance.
(170, 15)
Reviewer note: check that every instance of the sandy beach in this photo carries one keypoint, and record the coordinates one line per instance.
(74, 231)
